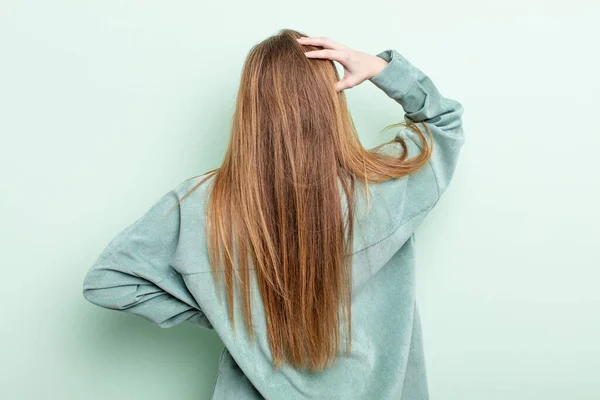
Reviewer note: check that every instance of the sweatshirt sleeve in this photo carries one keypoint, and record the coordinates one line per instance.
(422, 102)
(134, 274)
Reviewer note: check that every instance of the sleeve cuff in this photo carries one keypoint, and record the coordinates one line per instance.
(396, 78)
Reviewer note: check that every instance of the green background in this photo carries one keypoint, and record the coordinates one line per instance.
(108, 104)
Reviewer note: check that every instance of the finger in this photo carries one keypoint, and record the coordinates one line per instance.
(343, 84)
(326, 53)
(321, 41)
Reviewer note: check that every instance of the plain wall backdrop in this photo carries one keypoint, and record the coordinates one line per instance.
(106, 105)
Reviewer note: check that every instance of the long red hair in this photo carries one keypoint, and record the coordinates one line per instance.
(293, 146)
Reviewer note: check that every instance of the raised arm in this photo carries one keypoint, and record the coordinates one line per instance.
(411, 88)
(422, 102)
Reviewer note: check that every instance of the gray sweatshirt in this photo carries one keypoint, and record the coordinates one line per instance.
(158, 268)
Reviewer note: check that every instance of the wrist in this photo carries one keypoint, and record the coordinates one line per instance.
(378, 64)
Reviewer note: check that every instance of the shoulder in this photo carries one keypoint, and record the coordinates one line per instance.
(194, 185)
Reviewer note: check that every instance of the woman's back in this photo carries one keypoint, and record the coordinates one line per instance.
(159, 268)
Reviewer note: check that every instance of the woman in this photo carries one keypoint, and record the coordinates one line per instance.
(327, 228)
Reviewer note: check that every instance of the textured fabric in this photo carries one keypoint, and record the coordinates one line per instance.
(158, 268)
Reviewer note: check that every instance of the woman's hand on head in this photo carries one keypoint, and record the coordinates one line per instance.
(358, 66)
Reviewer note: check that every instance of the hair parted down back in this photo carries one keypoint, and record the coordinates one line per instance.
(293, 145)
